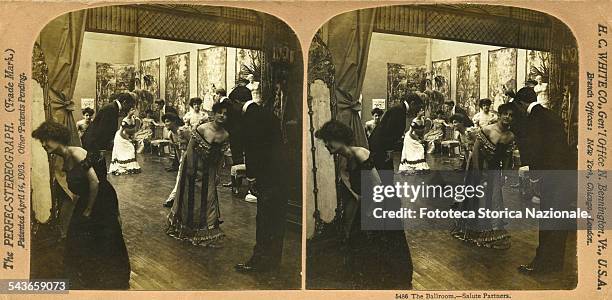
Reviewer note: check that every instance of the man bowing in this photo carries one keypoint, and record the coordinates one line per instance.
(543, 146)
(264, 167)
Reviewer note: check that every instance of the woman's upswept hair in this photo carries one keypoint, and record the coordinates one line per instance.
(506, 107)
(52, 131)
(172, 118)
(194, 101)
(88, 111)
(335, 131)
(377, 111)
(460, 118)
(124, 98)
(484, 101)
(218, 106)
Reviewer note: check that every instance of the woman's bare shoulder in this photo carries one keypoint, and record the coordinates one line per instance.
(203, 128)
(78, 153)
(487, 129)
(509, 135)
(362, 154)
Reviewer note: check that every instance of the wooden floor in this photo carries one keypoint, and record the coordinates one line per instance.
(160, 262)
(444, 263)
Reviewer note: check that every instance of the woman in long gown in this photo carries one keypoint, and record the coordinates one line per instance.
(374, 259)
(124, 153)
(195, 212)
(492, 152)
(95, 256)
(413, 153)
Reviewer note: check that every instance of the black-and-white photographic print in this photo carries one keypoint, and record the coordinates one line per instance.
(408, 100)
(166, 149)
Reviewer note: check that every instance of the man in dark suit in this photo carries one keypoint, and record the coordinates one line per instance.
(382, 142)
(100, 133)
(542, 143)
(264, 167)
(233, 126)
(241, 93)
(453, 109)
(238, 97)
(162, 109)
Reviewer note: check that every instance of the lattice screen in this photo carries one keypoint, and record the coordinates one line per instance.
(232, 27)
(470, 28)
(482, 24)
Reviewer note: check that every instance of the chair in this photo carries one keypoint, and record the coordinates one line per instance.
(158, 132)
(449, 142)
(159, 146)
(238, 171)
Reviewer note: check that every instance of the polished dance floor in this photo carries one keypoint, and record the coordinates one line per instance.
(160, 262)
(444, 263)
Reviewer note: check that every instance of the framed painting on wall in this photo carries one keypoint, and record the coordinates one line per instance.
(441, 77)
(248, 62)
(468, 82)
(149, 80)
(538, 64)
(212, 72)
(502, 75)
(401, 79)
(177, 81)
(111, 79)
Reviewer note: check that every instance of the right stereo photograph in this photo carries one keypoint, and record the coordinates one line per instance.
(437, 134)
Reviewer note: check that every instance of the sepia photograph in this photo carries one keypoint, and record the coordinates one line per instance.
(305, 149)
(448, 95)
(166, 140)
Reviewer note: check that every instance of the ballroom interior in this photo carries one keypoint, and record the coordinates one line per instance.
(475, 49)
(184, 51)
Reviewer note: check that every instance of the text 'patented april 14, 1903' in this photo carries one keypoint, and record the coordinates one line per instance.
(14, 205)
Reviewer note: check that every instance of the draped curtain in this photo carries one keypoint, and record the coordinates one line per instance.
(346, 39)
(61, 42)
(349, 43)
(58, 48)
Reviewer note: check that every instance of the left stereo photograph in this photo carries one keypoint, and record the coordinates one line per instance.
(166, 141)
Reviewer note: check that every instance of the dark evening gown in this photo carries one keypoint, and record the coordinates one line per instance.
(375, 259)
(95, 256)
(485, 165)
(195, 213)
